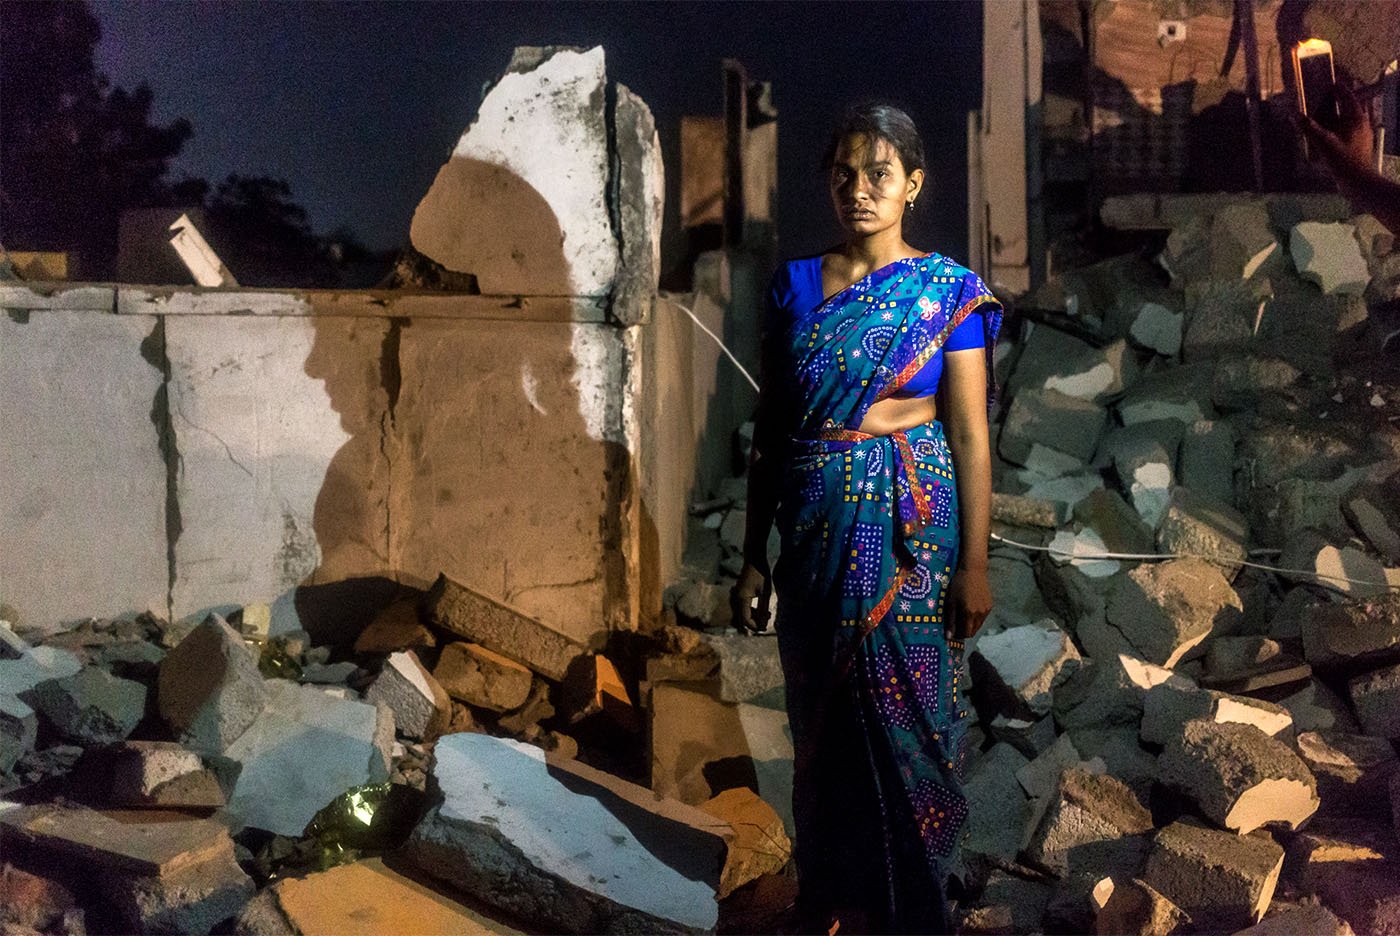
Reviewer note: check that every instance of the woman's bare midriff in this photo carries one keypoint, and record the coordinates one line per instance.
(895, 413)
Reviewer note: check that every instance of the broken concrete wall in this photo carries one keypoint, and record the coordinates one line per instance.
(252, 446)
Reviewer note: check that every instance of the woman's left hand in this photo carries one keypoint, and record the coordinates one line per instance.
(970, 601)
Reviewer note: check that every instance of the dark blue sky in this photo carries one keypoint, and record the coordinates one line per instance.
(357, 104)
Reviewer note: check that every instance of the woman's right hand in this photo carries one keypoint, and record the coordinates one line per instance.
(754, 583)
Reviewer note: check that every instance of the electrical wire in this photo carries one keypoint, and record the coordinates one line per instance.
(1222, 560)
(722, 346)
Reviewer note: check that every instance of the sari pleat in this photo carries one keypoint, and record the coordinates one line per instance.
(870, 537)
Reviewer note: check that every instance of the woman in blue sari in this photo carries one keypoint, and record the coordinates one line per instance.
(884, 521)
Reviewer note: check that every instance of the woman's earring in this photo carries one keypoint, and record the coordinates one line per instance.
(909, 205)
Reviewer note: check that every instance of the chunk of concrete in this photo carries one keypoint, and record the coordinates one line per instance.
(1353, 634)
(1346, 570)
(1376, 698)
(760, 844)
(31, 903)
(1206, 463)
(1354, 772)
(997, 806)
(479, 619)
(557, 851)
(136, 844)
(1221, 879)
(1169, 705)
(1029, 737)
(1221, 317)
(533, 170)
(1020, 510)
(1121, 528)
(595, 688)
(1195, 524)
(1166, 610)
(1249, 663)
(420, 704)
(1180, 393)
(1305, 919)
(1099, 694)
(1015, 672)
(1374, 517)
(1135, 908)
(1158, 329)
(90, 707)
(1084, 550)
(1093, 825)
(1067, 490)
(1123, 757)
(1022, 901)
(195, 900)
(1329, 255)
(395, 628)
(701, 744)
(1055, 360)
(304, 750)
(1054, 420)
(749, 668)
(364, 898)
(1240, 777)
(1315, 707)
(1242, 243)
(209, 690)
(1038, 778)
(19, 728)
(148, 775)
(475, 675)
(1242, 381)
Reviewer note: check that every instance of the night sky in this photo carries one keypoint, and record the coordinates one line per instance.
(357, 105)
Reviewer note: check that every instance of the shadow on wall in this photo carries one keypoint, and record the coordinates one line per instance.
(491, 450)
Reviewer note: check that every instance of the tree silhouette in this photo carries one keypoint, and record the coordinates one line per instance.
(74, 151)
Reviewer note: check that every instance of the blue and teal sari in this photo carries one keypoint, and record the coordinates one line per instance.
(870, 539)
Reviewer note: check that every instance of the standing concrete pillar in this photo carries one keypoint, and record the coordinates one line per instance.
(1006, 239)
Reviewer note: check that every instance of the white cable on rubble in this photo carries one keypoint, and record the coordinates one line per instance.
(1148, 557)
(722, 346)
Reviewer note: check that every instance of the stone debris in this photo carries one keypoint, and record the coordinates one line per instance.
(1222, 880)
(1346, 570)
(1329, 255)
(149, 775)
(305, 749)
(1239, 777)
(1040, 776)
(397, 627)
(1353, 772)
(594, 688)
(1315, 707)
(1118, 525)
(1166, 610)
(1123, 757)
(1376, 698)
(1031, 738)
(471, 673)
(156, 847)
(1053, 419)
(31, 903)
(1170, 705)
(209, 688)
(551, 850)
(1135, 908)
(1300, 920)
(90, 707)
(420, 705)
(1008, 897)
(481, 620)
(1084, 550)
(1352, 634)
(1251, 662)
(1196, 525)
(19, 730)
(1020, 510)
(1093, 824)
(1158, 329)
(749, 668)
(997, 806)
(1014, 672)
(195, 899)
(760, 845)
(364, 898)
(1242, 242)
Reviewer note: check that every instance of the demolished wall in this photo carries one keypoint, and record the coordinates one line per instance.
(314, 450)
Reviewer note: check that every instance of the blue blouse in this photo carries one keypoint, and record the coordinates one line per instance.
(797, 287)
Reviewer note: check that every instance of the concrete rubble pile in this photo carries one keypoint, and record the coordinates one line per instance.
(1161, 740)
(189, 777)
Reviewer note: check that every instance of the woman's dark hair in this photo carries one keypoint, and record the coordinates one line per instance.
(877, 122)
